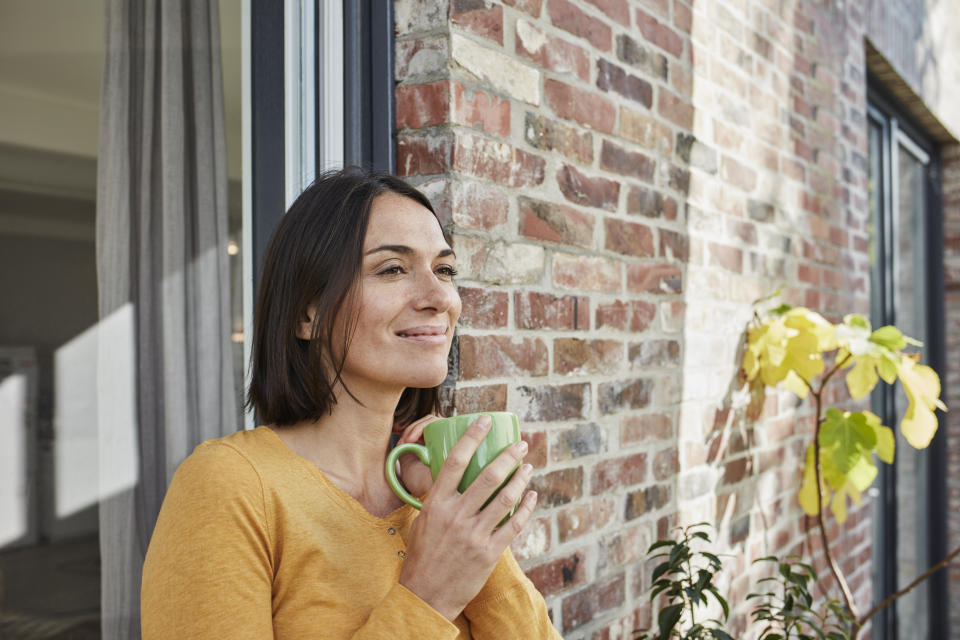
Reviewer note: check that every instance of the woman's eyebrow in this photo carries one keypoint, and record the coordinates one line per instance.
(404, 249)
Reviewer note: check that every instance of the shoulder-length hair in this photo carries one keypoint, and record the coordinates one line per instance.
(314, 258)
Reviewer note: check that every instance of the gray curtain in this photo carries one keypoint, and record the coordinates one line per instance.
(162, 272)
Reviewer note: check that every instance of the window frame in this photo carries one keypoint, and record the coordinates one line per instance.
(897, 128)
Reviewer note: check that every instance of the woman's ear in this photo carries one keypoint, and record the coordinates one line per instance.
(305, 325)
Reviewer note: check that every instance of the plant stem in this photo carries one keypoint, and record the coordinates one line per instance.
(907, 589)
(834, 568)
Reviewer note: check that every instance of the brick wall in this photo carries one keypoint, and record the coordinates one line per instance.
(621, 180)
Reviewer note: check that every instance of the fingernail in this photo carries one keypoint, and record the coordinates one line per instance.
(533, 496)
(522, 447)
(526, 469)
(484, 422)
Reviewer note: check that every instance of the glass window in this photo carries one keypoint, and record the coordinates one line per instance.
(51, 64)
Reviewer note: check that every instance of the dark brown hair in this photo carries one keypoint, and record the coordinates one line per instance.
(314, 257)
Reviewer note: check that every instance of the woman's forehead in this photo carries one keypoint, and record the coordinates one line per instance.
(396, 219)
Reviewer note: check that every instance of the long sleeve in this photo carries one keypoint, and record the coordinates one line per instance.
(509, 606)
(208, 571)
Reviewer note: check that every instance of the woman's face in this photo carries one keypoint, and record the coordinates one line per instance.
(407, 303)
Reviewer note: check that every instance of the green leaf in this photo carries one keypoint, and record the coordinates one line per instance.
(886, 443)
(668, 618)
(659, 544)
(889, 337)
(856, 320)
(661, 569)
(922, 386)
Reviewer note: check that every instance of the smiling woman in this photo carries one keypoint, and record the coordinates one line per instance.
(291, 530)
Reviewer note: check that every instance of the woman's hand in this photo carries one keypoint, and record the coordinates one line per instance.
(453, 545)
(415, 475)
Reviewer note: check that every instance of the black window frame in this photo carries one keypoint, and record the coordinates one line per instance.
(368, 104)
(884, 109)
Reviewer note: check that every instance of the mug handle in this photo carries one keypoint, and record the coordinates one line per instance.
(391, 468)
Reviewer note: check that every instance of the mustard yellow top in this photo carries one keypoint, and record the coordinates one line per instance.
(253, 541)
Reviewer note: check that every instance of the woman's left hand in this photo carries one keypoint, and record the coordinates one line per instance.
(414, 474)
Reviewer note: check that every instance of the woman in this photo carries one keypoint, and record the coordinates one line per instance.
(290, 530)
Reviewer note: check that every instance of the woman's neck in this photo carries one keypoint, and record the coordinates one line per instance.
(350, 446)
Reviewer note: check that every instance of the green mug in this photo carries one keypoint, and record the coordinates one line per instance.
(441, 435)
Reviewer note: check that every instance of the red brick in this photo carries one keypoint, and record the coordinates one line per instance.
(613, 315)
(654, 426)
(616, 9)
(497, 356)
(476, 108)
(496, 161)
(584, 605)
(544, 310)
(579, 105)
(484, 308)
(555, 223)
(621, 395)
(491, 397)
(646, 131)
(549, 135)
(579, 519)
(666, 464)
(674, 245)
(654, 353)
(531, 7)
(551, 403)
(652, 63)
(628, 238)
(423, 155)
(585, 439)
(674, 108)
(586, 273)
(574, 355)
(650, 203)
(646, 500)
(628, 163)
(682, 17)
(738, 174)
(658, 277)
(536, 447)
(726, 257)
(479, 206)
(618, 472)
(422, 105)
(808, 273)
(611, 77)
(558, 487)
(592, 192)
(659, 34)
(745, 231)
(560, 574)
(479, 17)
(737, 470)
(569, 17)
(551, 52)
(637, 315)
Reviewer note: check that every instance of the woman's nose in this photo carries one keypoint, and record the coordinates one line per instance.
(433, 292)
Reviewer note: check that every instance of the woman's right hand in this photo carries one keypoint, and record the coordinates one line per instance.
(453, 545)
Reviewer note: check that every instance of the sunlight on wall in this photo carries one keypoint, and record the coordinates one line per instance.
(116, 402)
(13, 459)
(76, 447)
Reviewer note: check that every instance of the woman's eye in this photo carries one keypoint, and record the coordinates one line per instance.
(390, 271)
(447, 271)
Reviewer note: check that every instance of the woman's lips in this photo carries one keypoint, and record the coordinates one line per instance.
(425, 335)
